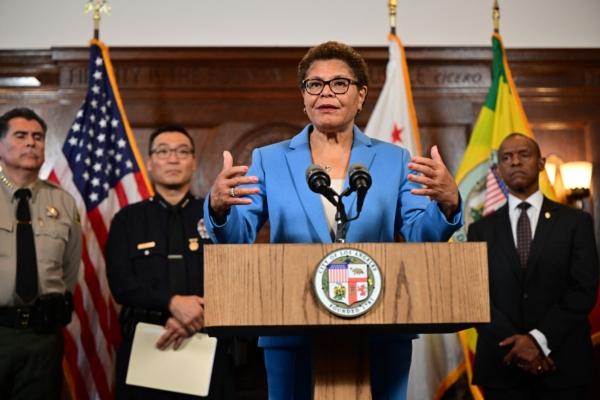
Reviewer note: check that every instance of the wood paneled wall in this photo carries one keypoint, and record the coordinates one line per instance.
(240, 98)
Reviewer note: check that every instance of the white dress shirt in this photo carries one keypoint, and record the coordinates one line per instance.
(533, 212)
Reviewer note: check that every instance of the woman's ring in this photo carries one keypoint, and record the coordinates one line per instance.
(232, 192)
(539, 368)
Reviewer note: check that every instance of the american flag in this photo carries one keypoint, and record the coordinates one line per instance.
(496, 192)
(338, 273)
(101, 167)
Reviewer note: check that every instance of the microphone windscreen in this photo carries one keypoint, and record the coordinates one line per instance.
(359, 175)
(358, 166)
(312, 168)
(316, 177)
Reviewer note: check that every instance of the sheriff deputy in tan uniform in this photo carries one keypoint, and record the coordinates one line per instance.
(40, 253)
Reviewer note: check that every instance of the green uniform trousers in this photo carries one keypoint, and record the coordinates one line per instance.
(30, 364)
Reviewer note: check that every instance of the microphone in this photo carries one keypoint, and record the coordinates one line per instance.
(360, 181)
(318, 181)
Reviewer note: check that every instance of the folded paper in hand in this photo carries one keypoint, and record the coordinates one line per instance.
(185, 370)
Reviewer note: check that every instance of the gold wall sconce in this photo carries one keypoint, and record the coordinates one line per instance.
(577, 178)
(571, 180)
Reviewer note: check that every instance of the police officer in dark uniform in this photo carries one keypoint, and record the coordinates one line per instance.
(154, 256)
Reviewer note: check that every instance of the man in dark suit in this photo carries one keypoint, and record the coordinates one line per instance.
(543, 272)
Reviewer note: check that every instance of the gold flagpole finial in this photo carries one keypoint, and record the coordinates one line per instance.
(496, 16)
(392, 11)
(97, 7)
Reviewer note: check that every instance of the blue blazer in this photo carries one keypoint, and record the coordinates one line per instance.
(296, 213)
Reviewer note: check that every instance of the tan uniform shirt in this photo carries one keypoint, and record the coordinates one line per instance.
(57, 236)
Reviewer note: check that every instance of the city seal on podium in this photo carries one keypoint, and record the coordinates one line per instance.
(348, 282)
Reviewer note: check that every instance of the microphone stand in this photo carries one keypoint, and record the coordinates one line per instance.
(319, 182)
(341, 218)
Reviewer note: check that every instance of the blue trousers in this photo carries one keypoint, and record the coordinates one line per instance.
(289, 370)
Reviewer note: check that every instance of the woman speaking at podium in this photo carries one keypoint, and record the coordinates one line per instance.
(415, 197)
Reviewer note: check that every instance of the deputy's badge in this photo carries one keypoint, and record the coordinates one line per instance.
(146, 245)
(202, 231)
(348, 282)
(193, 244)
(547, 215)
(52, 212)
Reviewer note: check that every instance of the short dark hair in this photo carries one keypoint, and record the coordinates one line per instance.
(169, 128)
(20, 112)
(536, 146)
(335, 51)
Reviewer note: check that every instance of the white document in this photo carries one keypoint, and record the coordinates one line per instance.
(185, 370)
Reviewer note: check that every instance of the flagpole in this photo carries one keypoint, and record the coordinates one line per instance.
(392, 12)
(97, 7)
(496, 16)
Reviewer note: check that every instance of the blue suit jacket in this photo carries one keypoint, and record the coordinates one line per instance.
(296, 213)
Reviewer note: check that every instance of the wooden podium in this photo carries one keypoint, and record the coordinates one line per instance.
(267, 289)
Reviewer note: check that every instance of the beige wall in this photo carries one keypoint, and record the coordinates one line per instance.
(525, 23)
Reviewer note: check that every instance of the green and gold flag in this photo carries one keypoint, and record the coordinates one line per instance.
(501, 115)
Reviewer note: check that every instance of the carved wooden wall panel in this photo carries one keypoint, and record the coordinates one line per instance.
(569, 141)
(241, 98)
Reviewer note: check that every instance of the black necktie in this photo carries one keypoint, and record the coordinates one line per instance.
(27, 273)
(177, 271)
(523, 234)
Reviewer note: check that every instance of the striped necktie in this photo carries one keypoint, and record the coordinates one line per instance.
(523, 234)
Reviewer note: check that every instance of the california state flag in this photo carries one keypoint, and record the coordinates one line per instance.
(437, 360)
(394, 118)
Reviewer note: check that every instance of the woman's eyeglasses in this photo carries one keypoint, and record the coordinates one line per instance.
(337, 85)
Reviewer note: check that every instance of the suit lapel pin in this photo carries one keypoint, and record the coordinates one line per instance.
(51, 212)
(547, 215)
